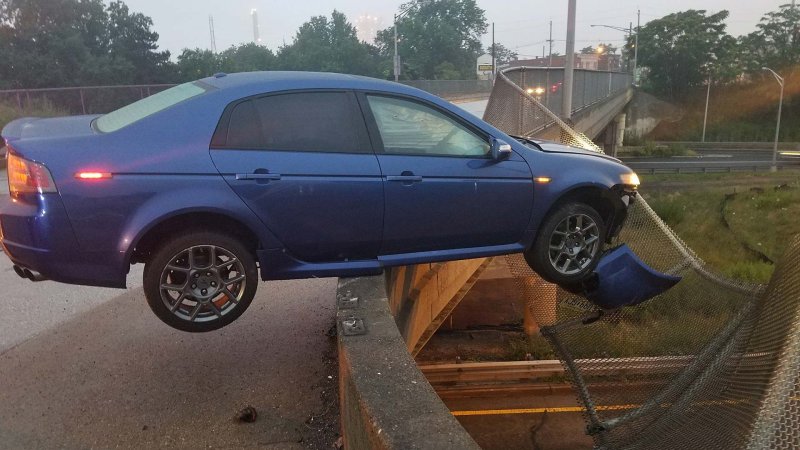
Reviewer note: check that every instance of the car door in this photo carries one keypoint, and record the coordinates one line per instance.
(442, 188)
(303, 162)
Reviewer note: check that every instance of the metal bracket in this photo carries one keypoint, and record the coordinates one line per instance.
(347, 301)
(353, 326)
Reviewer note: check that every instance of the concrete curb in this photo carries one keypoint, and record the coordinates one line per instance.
(386, 402)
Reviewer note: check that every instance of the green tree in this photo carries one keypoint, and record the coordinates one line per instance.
(328, 45)
(132, 41)
(601, 48)
(775, 43)
(247, 58)
(197, 63)
(51, 43)
(434, 32)
(678, 49)
(502, 54)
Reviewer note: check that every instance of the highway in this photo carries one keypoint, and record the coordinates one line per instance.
(713, 160)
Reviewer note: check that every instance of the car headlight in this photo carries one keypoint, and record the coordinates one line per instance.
(630, 179)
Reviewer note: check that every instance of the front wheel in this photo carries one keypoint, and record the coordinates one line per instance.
(201, 281)
(568, 246)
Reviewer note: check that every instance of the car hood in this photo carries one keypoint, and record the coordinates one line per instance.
(35, 127)
(555, 147)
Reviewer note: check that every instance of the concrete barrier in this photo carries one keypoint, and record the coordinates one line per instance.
(386, 402)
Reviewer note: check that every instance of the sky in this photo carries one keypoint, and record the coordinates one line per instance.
(520, 25)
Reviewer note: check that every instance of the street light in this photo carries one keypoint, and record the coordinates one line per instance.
(629, 32)
(779, 79)
(396, 60)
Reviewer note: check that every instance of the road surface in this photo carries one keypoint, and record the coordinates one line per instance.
(712, 159)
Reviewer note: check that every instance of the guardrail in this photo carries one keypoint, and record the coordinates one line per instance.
(656, 167)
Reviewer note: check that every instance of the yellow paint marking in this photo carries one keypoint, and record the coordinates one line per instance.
(557, 409)
(579, 409)
(790, 153)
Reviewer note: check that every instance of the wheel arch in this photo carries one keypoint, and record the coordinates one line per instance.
(603, 199)
(142, 248)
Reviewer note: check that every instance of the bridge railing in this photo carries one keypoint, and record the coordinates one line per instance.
(589, 86)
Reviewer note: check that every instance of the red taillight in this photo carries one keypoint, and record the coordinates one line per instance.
(92, 175)
(25, 177)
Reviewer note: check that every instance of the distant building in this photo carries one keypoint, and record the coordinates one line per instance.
(608, 62)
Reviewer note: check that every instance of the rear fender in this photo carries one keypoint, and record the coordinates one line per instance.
(193, 200)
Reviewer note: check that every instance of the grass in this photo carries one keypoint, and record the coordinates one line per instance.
(766, 221)
(650, 149)
(681, 322)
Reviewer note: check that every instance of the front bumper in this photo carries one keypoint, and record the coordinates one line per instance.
(621, 198)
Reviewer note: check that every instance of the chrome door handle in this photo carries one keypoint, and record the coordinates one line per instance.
(406, 178)
(258, 176)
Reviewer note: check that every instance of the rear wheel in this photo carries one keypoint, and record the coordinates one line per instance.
(568, 246)
(201, 281)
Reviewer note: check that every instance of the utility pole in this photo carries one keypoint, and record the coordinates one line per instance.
(549, 65)
(569, 66)
(494, 54)
(396, 59)
(636, 45)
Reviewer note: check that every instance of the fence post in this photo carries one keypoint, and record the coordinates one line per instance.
(19, 101)
(83, 103)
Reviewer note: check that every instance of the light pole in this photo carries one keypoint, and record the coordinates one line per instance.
(396, 60)
(779, 79)
(635, 45)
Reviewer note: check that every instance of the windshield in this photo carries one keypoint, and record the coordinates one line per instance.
(134, 112)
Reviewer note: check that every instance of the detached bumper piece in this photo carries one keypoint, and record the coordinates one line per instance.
(622, 279)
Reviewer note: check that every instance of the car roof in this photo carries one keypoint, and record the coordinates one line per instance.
(279, 80)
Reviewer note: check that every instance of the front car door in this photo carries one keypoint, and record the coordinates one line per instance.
(443, 190)
(303, 162)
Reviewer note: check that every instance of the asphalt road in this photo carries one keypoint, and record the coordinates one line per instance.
(113, 376)
(712, 159)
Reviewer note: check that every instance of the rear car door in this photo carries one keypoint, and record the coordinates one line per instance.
(442, 188)
(303, 162)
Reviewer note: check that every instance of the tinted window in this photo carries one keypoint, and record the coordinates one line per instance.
(307, 121)
(408, 127)
(147, 106)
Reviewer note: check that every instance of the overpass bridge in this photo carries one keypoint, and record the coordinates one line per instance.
(523, 100)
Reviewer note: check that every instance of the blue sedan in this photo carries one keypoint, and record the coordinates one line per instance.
(292, 175)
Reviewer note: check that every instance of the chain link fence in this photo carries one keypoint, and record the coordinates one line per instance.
(79, 100)
(102, 99)
(713, 363)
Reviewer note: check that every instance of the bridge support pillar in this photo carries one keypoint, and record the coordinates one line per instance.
(619, 122)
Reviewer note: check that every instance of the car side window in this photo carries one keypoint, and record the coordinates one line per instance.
(302, 121)
(411, 128)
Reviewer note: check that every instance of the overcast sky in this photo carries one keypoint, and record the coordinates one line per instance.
(520, 25)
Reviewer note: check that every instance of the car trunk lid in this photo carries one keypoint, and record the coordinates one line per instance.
(36, 127)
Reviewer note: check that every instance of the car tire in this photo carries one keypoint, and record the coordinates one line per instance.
(200, 281)
(568, 245)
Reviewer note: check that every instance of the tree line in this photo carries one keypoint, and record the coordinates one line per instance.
(680, 51)
(53, 43)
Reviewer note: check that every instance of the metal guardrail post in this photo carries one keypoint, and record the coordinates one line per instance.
(83, 103)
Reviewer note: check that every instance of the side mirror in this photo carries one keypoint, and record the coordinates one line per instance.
(500, 149)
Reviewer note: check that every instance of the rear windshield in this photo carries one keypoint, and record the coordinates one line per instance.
(127, 115)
